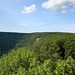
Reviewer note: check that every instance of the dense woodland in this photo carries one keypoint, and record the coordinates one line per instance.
(37, 53)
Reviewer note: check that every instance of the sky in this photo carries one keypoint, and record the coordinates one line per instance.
(27, 16)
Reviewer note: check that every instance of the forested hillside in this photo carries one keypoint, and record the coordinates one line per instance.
(37, 54)
(10, 41)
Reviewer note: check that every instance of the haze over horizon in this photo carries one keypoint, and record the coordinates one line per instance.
(28, 16)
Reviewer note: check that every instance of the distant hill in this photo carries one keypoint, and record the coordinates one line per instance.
(10, 40)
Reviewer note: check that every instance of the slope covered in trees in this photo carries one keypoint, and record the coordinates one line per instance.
(56, 46)
(52, 54)
(10, 41)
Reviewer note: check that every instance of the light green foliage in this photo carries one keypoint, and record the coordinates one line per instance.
(14, 61)
(24, 62)
(65, 67)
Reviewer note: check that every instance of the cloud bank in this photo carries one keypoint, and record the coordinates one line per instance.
(30, 9)
(59, 6)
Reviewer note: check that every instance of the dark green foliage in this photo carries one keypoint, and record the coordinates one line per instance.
(55, 47)
(8, 41)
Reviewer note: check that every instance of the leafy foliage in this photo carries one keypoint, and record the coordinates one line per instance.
(25, 62)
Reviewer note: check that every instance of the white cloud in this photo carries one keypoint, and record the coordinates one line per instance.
(22, 24)
(58, 6)
(30, 9)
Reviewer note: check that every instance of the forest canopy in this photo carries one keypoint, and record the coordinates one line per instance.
(52, 54)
